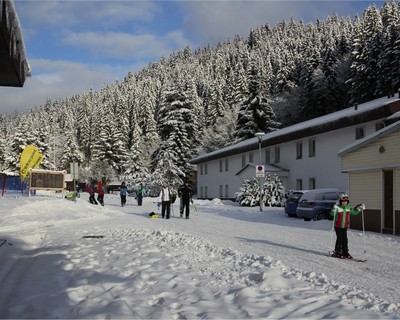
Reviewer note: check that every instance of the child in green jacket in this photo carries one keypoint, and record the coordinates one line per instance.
(341, 214)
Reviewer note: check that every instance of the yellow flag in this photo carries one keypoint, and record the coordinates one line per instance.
(30, 158)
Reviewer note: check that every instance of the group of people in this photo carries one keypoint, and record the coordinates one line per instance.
(167, 197)
(123, 192)
(100, 193)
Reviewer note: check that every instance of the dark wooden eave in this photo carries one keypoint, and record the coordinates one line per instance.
(13, 65)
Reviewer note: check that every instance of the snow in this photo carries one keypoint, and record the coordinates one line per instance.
(66, 259)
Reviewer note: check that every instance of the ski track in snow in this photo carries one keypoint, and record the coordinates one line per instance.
(154, 273)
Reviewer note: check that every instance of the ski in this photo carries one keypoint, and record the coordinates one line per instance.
(353, 259)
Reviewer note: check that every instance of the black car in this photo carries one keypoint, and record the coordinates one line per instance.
(292, 201)
(317, 204)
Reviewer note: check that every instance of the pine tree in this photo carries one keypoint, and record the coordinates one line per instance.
(177, 128)
(256, 114)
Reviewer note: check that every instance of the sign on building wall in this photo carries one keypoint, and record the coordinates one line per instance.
(47, 180)
(260, 173)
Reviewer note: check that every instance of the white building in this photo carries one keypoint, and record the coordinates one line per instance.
(304, 156)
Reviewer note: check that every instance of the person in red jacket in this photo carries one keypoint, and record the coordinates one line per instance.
(341, 215)
(100, 192)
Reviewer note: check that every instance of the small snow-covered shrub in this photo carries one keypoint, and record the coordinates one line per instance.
(273, 192)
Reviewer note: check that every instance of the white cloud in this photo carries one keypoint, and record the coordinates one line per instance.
(127, 46)
(213, 21)
(57, 80)
(44, 14)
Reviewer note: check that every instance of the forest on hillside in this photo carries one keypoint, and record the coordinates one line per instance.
(147, 127)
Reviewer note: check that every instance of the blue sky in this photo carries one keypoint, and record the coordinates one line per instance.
(73, 46)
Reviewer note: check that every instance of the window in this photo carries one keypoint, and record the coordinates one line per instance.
(221, 163)
(267, 156)
(251, 157)
(221, 190)
(201, 192)
(226, 191)
(205, 192)
(311, 183)
(201, 169)
(360, 132)
(299, 184)
(311, 147)
(205, 168)
(299, 150)
(243, 160)
(226, 164)
(379, 126)
(277, 155)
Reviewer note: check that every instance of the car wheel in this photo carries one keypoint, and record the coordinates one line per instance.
(321, 215)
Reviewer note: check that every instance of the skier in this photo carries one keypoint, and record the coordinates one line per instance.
(341, 215)
(140, 195)
(123, 190)
(185, 193)
(91, 193)
(100, 192)
(165, 199)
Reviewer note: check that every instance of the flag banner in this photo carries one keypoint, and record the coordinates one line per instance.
(30, 159)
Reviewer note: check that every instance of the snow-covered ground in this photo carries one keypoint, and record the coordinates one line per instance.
(66, 259)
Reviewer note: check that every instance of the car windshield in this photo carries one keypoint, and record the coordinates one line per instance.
(296, 195)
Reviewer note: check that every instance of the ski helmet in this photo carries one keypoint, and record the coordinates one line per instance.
(344, 197)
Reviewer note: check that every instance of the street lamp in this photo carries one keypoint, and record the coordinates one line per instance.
(260, 135)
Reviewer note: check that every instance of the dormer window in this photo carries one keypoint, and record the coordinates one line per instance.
(360, 132)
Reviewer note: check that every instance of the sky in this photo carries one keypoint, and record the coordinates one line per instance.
(62, 259)
(73, 46)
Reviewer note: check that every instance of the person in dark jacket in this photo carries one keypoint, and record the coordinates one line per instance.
(123, 190)
(90, 190)
(185, 192)
(341, 215)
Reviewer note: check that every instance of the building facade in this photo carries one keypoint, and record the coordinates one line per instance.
(373, 167)
(304, 156)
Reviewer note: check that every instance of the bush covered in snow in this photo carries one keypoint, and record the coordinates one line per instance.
(273, 192)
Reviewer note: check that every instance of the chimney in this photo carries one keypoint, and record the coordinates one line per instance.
(356, 106)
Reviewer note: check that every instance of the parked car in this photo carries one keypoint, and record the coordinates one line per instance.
(292, 201)
(317, 204)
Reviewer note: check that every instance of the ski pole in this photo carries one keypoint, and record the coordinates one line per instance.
(362, 218)
(333, 227)
(194, 207)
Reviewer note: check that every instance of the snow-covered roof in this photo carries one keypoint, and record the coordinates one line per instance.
(369, 111)
(14, 67)
(370, 138)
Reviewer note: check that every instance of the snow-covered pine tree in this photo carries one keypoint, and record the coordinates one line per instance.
(165, 167)
(136, 172)
(273, 192)
(21, 138)
(109, 147)
(71, 152)
(249, 193)
(256, 114)
(176, 127)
